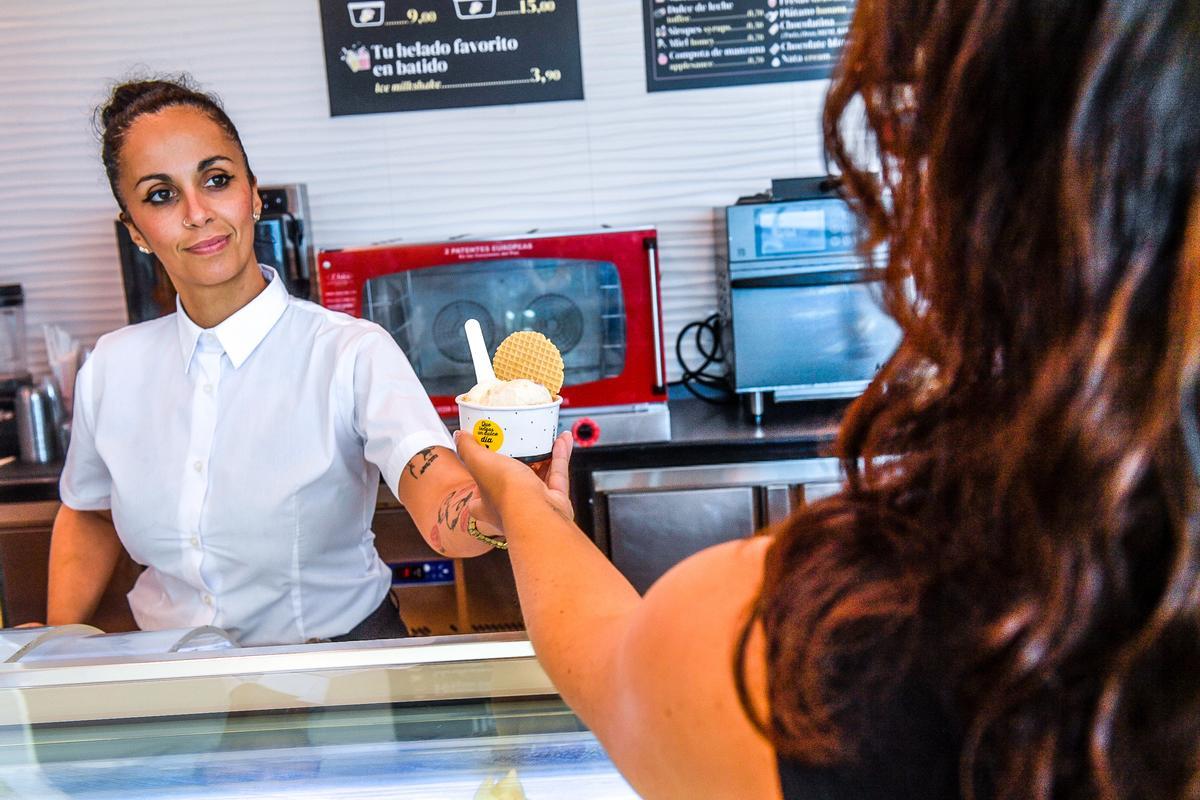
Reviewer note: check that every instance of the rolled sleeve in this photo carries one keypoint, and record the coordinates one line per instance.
(85, 484)
(392, 412)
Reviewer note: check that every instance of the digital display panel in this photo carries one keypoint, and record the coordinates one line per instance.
(784, 231)
(803, 227)
(425, 573)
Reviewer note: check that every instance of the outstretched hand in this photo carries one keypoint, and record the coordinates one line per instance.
(500, 477)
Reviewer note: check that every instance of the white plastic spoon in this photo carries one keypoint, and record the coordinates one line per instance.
(479, 353)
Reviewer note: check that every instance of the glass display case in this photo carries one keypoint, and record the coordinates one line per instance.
(464, 717)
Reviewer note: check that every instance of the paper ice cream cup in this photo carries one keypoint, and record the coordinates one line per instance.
(475, 9)
(525, 433)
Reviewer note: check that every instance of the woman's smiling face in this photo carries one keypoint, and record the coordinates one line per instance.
(189, 197)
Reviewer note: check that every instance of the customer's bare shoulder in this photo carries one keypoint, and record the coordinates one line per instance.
(684, 731)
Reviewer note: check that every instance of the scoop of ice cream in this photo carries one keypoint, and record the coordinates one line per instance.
(507, 788)
(519, 392)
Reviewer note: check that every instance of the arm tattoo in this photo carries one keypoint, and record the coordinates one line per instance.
(427, 457)
(453, 510)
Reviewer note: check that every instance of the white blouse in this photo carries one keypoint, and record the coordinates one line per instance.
(242, 463)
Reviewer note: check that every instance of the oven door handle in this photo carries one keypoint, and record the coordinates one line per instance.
(651, 245)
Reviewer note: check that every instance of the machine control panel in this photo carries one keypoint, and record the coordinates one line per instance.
(423, 573)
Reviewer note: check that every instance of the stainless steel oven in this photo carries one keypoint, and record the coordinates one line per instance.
(800, 309)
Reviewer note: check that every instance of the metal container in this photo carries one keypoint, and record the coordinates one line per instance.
(36, 432)
(58, 415)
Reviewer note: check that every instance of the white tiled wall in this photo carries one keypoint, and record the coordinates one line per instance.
(620, 157)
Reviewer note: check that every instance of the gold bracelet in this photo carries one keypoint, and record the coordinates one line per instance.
(473, 530)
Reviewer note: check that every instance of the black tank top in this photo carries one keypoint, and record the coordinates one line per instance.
(911, 753)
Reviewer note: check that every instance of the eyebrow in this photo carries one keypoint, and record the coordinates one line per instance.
(203, 165)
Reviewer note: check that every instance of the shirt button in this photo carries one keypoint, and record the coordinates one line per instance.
(198, 466)
(208, 388)
(208, 600)
(195, 542)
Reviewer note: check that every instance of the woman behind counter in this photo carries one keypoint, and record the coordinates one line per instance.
(1010, 607)
(234, 448)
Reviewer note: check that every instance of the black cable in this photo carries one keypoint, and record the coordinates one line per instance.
(712, 354)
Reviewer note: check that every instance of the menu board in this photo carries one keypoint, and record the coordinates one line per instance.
(693, 44)
(409, 55)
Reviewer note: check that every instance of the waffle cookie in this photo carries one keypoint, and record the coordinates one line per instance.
(529, 354)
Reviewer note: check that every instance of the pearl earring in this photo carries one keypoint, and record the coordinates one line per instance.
(145, 250)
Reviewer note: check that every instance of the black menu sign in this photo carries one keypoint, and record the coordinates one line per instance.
(692, 44)
(408, 55)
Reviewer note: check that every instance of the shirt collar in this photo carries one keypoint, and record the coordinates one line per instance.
(244, 329)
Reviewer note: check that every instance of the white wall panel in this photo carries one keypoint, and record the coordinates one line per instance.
(620, 157)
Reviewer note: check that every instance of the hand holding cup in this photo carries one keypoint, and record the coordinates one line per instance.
(500, 477)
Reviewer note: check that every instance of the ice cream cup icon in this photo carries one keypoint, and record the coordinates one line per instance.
(366, 13)
(525, 433)
(475, 9)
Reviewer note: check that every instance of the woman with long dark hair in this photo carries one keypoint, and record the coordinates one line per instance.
(1003, 601)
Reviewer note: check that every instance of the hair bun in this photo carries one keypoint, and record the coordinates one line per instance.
(137, 94)
(120, 99)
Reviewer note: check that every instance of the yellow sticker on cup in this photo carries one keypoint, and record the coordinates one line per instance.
(489, 434)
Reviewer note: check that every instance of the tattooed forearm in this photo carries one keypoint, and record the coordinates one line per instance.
(453, 511)
(421, 462)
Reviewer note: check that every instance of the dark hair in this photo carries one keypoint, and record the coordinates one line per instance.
(132, 99)
(1021, 499)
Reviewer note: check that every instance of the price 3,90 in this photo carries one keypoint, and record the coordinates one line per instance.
(539, 75)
